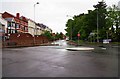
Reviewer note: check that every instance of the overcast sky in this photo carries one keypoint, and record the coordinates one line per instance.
(50, 12)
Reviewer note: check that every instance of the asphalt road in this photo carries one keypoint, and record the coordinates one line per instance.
(56, 61)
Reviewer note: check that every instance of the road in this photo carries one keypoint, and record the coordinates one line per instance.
(56, 61)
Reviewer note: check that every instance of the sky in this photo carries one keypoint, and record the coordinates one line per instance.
(119, 4)
(52, 13)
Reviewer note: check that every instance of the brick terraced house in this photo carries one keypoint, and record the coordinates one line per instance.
(16, 24)
(21, 24)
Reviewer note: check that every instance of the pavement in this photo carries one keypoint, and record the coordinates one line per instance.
(56, 61)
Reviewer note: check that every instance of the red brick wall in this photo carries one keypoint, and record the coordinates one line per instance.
(41, 40)
(25, 39)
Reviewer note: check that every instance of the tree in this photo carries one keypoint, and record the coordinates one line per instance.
(85, 24)
(69, 26)
(101, 14)
(113, 20)
(59, 36)
(48, 35)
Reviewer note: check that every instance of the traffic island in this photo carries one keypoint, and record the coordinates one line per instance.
(80, 48)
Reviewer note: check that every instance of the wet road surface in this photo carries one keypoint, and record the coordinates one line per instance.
(56, 61)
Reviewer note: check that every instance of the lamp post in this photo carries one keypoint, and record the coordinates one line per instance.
(107, 35)
(97, 7)
(34, 9)
(97, 26)
(35, 22)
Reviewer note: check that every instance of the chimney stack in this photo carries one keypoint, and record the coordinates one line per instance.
(18, 15)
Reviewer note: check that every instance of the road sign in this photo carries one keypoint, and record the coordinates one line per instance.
(78, 34)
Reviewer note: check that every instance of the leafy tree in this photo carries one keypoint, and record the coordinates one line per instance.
(48, 35)
(59, 36)
(101, 14)
(69, 26)
(86, 24)
(113, 20)
(83, 24)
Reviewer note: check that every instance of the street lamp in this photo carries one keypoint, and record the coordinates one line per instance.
(34, 9)
(107, 35)
(35, 22)
(97, 26)
(97, 7)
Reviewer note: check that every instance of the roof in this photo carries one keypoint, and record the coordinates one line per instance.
(31, 20)
(24, 18)
(8, 14)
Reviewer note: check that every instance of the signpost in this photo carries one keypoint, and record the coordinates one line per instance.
(78, 37)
